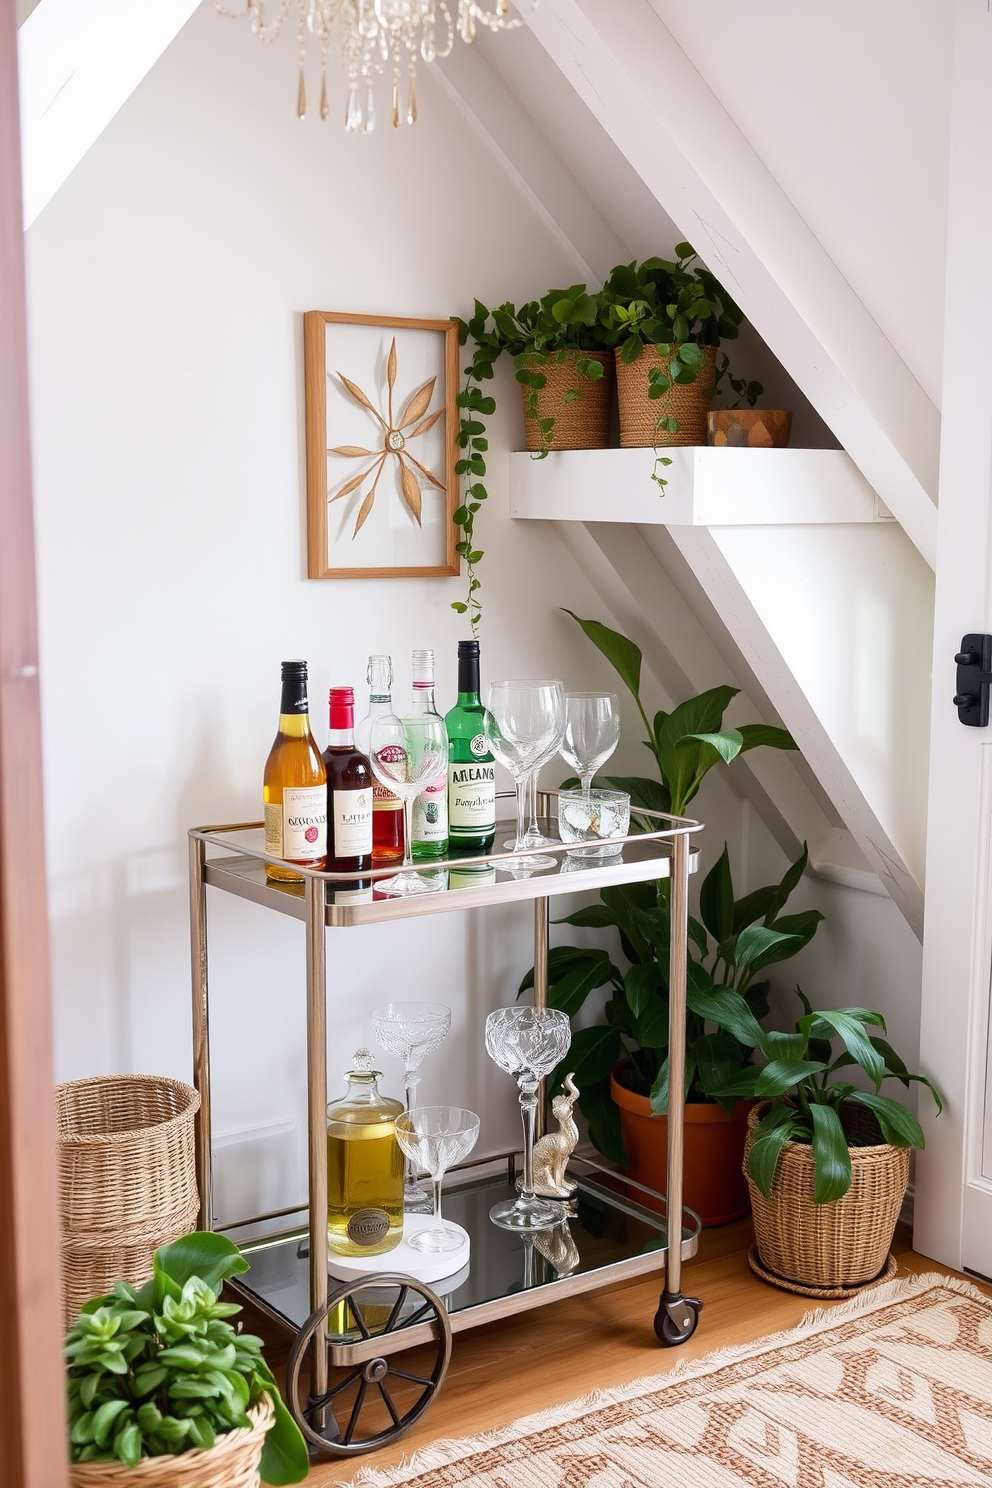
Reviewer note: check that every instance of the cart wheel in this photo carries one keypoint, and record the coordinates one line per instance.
(369, 1404)
(676, 1319)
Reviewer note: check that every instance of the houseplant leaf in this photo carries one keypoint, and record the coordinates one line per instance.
(621, 653)
(831, 1158)
(716, 899)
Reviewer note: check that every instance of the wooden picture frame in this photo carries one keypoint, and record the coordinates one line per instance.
(374, 384)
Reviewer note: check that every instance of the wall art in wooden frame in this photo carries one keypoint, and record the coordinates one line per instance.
(382, 430)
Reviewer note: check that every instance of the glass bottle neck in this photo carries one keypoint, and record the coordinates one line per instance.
(423, 701)
(341, 738)
(295, 725)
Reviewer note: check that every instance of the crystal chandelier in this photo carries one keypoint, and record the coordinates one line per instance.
(373, 38)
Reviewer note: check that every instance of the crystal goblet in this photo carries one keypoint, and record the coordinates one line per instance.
(527, 1043)
(524, 724)
(592, 732)
(435, 1138)
(411, 1031)
(406, 754)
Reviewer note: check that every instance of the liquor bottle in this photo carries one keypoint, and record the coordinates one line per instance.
(471, 769)
(349, 790)
(387, 808)
(294, 785)
(430, 809)
(364, 1166)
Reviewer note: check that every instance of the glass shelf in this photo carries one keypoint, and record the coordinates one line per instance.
(610, 1237)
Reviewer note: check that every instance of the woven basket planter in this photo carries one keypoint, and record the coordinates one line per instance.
(127, 1178)
(842, 1244)
(232, 1462)
(580, 423)
(687, 403)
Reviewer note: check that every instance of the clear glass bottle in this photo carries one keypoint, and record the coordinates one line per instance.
(471, 768)
(364, 1166)
(387, 808)
(294, 785)
(430, 809)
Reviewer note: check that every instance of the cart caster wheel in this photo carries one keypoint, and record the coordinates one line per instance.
(369, 1403)
(676, 1319)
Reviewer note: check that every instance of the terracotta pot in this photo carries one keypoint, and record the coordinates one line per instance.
(757, 428)
(688, 403)
(829, 1245)
(582, 421)
(713, 1184)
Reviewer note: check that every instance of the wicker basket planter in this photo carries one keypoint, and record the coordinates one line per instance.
(582, 422)
(842, 1244)
(232, 1462)
(687, 403)
(127, 1178)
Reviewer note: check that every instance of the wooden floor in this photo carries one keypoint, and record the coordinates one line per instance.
(545, 1357)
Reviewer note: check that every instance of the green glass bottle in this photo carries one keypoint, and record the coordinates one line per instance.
(430, 809)
(471, 768)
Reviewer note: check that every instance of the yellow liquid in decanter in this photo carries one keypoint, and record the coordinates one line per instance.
(364, 1167)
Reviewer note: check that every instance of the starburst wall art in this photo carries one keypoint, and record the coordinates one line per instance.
(381, 446)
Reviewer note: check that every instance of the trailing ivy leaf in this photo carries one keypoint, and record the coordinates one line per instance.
(831, 1158)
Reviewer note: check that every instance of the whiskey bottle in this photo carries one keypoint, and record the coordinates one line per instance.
(349, 790)
(294, 785)
(387, 808)
(471, 769)
(364, 1166)
(430, 808)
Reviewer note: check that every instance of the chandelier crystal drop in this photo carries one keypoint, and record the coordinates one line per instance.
(376, 38)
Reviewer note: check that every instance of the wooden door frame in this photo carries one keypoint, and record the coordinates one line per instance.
(32, 1390)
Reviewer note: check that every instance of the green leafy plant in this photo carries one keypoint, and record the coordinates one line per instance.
(156, 1371)
(802, 1078)
(564, 323)
(685, 745)
(679, 307)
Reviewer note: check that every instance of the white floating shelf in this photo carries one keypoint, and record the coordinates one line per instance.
(707, 487)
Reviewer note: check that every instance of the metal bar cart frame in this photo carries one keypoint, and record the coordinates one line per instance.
(657, 852)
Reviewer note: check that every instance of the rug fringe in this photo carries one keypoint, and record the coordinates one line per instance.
(445, 1452)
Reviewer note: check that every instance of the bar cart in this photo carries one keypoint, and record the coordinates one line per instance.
(369, 1354)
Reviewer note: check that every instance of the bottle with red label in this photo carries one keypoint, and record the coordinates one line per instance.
(430, 809)
(294, 785)
(349, 790)
(387, 808)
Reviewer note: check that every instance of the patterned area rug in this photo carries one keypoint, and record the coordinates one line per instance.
(891, 1390)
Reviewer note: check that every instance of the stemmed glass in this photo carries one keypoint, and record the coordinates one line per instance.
(592, 732)
(435, 1138)
(406, 754)
(524, 725)
(527, 1043)
(411, 1031)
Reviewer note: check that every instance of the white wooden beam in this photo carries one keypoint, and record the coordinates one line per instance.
(627, 67)
(79, 63)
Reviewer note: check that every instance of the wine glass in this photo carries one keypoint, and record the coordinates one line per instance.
(527, 1043)
(411, 1031)
(435, 1138)
(592, 732)
(524, 725)
(406, 754)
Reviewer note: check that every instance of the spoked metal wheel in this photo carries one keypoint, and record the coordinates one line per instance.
(378, 1380)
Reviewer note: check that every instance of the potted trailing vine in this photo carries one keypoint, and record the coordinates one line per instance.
(666, 320)
(827, 1162)
(567, 387)
(164, 1391)
(628, 1047)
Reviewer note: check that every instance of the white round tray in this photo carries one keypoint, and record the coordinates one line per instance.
(421, 1264)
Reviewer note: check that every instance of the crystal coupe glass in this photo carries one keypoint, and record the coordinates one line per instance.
(406, 754)
(411, 1031)
(435, 1138)
(524, 725)
(527, 1043)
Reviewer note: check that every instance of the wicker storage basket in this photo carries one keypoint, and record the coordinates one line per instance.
(232, 1462)
(581, 423)
(688, 403)
(127, 1178)
(841, 1244)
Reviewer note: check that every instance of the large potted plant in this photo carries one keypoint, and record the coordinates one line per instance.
(666, 319)
(628, 1047)
(827, 1161)
(164, 1391)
